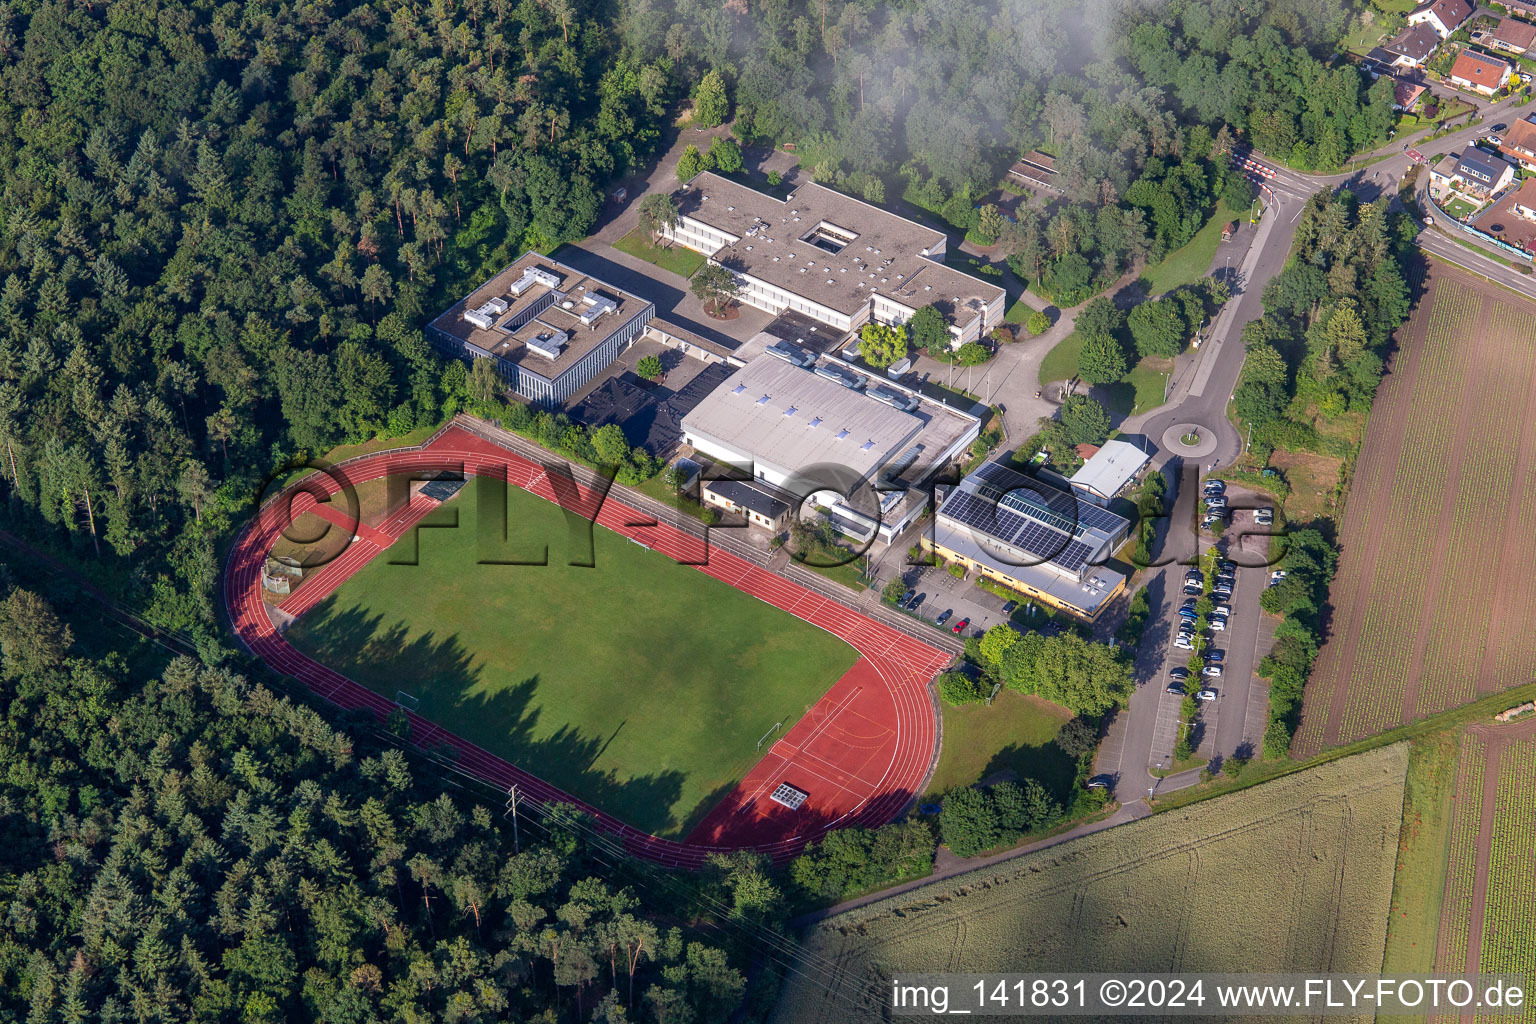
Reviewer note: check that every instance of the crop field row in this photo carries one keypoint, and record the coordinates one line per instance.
(1413, 479)
(1417, 486)
(1483, 486)
(1442, 498)
(1461, 866)
(1312, 853)
(1509, 922)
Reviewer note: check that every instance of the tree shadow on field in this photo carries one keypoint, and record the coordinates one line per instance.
(1046, 763)
(443, 675)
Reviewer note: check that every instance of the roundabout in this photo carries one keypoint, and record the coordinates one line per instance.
(1189, 440)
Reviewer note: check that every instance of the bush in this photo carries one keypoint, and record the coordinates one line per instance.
(957, 689)
(1037, 323)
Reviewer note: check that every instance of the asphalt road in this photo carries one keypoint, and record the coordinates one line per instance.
(1142, 738)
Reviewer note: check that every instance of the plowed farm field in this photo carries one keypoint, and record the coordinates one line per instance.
(1291, 875)
(1436, 587)
(1464, 895)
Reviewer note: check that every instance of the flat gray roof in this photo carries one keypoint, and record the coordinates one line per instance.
(512, 344)
(788, 417)
(882, 252)
(1111, 468)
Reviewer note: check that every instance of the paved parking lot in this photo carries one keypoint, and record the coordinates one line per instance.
(1142, 738)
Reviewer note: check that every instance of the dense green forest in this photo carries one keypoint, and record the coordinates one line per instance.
(224, 227)
(193, 846)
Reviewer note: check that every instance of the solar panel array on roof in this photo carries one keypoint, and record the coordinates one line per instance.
(1033, 537)
(1011, 488)
(1044, 522)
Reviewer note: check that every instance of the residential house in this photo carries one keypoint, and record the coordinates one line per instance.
(1519, 143)
(1513, 35)
(1524, 204)
(1406, 95)
(1483, 172)
(1480, 72)
(1444, 16)
(1411, 47)
(1442, 174)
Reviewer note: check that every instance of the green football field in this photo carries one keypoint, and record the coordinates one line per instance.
(639, 685)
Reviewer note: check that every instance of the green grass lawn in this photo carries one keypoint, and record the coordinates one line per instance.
(639, 685)
(1424, 847)
(1061, 362)
(1460, 208)
(1190, 263)
(1148, 380)
(1015, 732)
(1019, 311)
(1362, 38)
(676, 258)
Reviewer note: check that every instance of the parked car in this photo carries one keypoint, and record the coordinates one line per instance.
(1219, 623)
(1215, 657)
(1212, 670)
(1276, 576)
(906, 598)
(1494, 140)
(1100, 782)
(1215, 487)
(1188, 613)
(1500, 127)
(959, 626)
(1193, 589)
(1226, 565)
(943, 616)
(1190, 602)
(1222, 590)
(1183, 644)
(1009, 607)
(1222, 609)
(1176, 689)
(1178, 672)
(1206, 695)
(919, 599)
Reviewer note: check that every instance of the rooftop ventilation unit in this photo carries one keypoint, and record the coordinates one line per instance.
(790, 354)
(531, 277)
(485, 314)
(846, 378)
(596, 305)
(548, 344)
(895, 399)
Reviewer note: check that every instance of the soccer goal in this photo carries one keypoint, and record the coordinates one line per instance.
(407, 701)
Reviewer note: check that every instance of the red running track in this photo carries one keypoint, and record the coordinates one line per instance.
(861, 752)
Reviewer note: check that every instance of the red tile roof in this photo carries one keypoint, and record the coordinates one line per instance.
(1479, 69)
